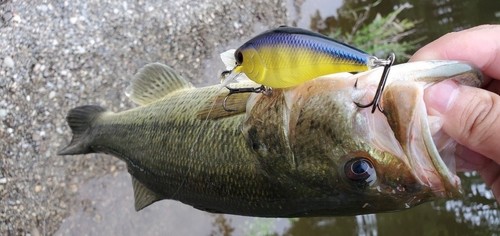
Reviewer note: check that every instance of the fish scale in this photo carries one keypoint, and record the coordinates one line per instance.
(296, 152)
(177, 180)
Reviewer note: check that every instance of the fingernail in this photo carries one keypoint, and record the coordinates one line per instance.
(440, 96)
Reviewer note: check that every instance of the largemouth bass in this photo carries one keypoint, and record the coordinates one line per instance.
(303, 151)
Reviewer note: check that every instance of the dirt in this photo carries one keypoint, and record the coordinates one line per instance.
(59, 54)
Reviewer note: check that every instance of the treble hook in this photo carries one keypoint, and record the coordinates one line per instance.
(261, 89)
(225, 73)
(381, 85)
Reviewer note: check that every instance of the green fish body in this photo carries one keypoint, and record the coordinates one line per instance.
(306, 151)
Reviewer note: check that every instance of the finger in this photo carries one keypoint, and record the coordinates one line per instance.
(479, 45)
(493, 86)
(468, 160)
(470, 115)
(491, 176)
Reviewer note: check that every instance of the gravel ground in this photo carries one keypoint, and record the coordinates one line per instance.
(58, 54)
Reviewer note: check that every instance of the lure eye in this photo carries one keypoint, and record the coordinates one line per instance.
(360, 170)
(239, 57)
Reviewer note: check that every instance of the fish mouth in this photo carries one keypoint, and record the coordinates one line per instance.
(417, 138)
(427, 150)
(420, 133)
(421, 143)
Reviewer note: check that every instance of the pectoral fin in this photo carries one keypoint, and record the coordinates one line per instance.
(143, 196)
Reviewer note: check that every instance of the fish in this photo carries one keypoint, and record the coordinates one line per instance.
(288, 56)
(299, 152)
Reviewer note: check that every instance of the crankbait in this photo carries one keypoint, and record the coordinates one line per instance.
(287, 56)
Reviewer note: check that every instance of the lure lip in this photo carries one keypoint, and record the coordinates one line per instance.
(231, 76)
(233, 71)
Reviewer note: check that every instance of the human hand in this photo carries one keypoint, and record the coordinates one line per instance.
(471, 115)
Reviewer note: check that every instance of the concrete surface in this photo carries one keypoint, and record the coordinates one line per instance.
(58, 54)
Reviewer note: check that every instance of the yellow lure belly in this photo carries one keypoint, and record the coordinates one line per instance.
(286, 57)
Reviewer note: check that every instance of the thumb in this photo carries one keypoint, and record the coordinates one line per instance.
(471, 115)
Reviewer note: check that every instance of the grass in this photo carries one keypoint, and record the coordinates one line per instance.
(381, 36)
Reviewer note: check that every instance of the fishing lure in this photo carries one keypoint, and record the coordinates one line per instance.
(287, 56)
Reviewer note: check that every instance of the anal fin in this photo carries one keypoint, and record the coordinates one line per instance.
(143, 196)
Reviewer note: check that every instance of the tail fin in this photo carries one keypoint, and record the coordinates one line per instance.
(80, 119)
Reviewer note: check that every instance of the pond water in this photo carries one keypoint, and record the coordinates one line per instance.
(476, 214)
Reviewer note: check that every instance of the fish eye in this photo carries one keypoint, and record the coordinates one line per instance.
(361, 171)
(239, 57)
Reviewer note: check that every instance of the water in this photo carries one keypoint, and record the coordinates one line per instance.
(436, 17)
(476, 214)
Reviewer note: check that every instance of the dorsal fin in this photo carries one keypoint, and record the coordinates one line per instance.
(143, 196)
(154, 81)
